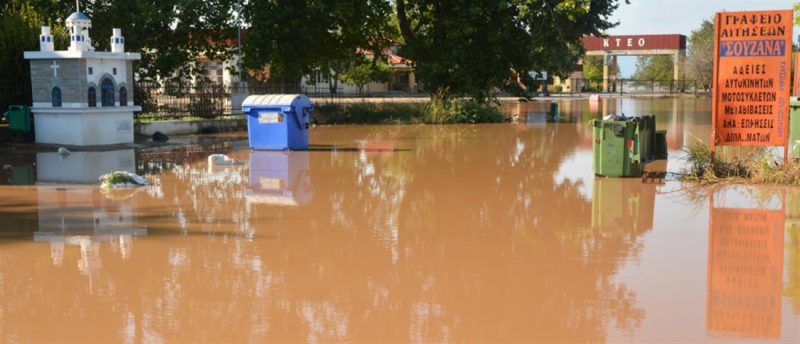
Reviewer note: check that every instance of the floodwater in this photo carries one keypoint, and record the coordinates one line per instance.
(479, 233)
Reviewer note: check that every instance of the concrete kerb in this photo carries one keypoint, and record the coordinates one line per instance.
(189, 127)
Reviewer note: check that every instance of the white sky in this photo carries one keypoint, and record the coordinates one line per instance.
(678, 16)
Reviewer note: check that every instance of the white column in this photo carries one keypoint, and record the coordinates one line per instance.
(117, 41)
(46, 39)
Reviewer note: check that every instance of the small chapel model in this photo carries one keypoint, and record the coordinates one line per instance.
(82, 97)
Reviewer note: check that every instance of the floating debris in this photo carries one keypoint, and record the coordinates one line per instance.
(160, 137)
(222, 159)
(64, 151)
(121, 179)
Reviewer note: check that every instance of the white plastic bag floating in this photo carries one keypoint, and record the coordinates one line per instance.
(121, 179)
(221, 160)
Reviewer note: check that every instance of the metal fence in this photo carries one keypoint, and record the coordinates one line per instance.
(160, 101)
(215, 100)
(637, 86)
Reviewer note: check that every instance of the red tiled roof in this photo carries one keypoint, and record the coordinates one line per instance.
(391, 57)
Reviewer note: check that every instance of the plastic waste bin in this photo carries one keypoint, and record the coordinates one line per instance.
(622, 206)
(279, 178)
(553, 111)
(794, 127)
(622, 145)
(278, 122)
(660, 151)
(19, 118)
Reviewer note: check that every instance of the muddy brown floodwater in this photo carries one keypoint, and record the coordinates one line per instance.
(478, 233)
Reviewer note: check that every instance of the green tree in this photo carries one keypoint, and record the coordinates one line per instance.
(363, 72)
(470, 47)
(20, 26)
(700, 60)
(657, 67)
(593, 71)
(296, 38)
(169, 34)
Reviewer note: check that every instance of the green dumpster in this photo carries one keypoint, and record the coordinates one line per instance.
(623, 145)
(660, 152)
(794, 127)
(19, 118)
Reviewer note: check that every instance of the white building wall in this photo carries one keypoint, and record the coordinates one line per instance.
(101, 67)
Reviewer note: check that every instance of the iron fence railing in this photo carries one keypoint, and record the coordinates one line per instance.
(637, 86)
(215, 100)
(160, 101)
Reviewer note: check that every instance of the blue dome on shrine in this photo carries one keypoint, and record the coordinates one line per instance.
(78, 16)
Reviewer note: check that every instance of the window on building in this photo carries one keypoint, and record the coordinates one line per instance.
(91, 96)
(114, 70)
(123, 96)
(91, 70)
(56, 97)
(42, 38)
(107, 92)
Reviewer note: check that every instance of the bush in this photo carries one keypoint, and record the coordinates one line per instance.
(558, 89)
(758, 167)
(436, 112)
(441, 111)
(368, 113)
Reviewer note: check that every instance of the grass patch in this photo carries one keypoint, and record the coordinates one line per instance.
(758, 167)
(157, 117)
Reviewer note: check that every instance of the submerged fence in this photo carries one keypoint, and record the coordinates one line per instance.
(637, 86)
(216, 100)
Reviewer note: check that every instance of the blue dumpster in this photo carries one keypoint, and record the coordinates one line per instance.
(278, 121)
(279, 178)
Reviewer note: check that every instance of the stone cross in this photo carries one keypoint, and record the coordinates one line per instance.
(55, 67)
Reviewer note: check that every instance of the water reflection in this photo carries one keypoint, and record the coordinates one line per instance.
(745, 271)
(85, 217)
(279, 178)
(792, 289)
(623, 205)
(401, 233)
(82, 167)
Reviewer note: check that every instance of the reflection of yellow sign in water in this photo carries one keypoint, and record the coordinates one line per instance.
(745, 267)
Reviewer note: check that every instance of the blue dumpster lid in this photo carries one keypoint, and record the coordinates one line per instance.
(274, 100)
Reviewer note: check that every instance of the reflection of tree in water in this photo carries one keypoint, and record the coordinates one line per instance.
(448, 209)
(441, 233)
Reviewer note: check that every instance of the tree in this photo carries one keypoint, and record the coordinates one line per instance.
(169, 34)
(363, 72)
(296, 38)
(700, 60)
(19, 32)
(657, 67)
(471, 47)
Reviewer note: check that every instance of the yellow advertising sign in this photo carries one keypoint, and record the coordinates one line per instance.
(752, 66)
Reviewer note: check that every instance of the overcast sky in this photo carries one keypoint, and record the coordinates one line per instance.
(678, 16)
